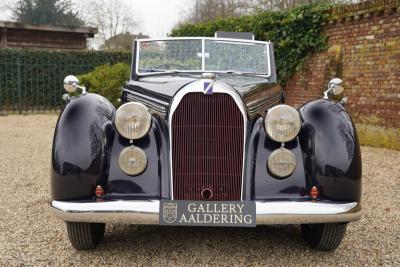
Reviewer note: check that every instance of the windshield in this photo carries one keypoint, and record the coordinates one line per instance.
(202, 54)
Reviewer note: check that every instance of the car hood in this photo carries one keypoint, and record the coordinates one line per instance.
(255, 92)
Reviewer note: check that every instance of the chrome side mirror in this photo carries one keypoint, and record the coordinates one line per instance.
(334, 88)
(71, 83)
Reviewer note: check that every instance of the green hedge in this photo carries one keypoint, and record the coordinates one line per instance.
(107, 80)
(31, 80)
(295, 34)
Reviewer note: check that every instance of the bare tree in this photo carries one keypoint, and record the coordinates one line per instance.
(208, 10)
(274, 5)
(258, 5)
(112, 17)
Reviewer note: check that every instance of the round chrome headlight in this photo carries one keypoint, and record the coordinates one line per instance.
(133, 120)
(282, 123)
(281, 162)
(132, 160)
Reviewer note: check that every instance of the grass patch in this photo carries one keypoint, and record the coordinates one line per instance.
(377, 136)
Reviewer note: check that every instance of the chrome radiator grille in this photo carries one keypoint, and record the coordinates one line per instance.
(207, 148)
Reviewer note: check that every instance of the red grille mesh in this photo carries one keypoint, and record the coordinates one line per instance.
(207, 152)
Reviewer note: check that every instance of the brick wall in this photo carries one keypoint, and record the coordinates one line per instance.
(364, 50)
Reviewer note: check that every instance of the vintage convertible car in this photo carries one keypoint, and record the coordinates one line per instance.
(203, 138)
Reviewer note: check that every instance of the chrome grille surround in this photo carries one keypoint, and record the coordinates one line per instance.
(198, 87)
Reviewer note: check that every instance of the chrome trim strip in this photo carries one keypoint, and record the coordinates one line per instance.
(121, 212)
(265, 75)
(198, 87)
(303, 208)
(158, 101)
(261, 106)
(259, 103)
(152, 108)
(205, 38)
(147, 212)
(203, 58)
(154, 105)
(136, 206)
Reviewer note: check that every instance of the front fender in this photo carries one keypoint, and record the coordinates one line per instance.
(81, 147)
(260, 184)
(331, 150)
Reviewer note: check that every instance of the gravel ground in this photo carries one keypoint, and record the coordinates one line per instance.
(30, 235)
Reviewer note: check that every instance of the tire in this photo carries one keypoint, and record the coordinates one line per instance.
(324, 236)
(85, 236)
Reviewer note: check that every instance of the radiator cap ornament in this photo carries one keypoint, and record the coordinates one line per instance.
(208, 75)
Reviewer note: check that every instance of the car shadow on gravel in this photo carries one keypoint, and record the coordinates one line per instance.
(142, 239)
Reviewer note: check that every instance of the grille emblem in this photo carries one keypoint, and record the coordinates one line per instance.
(208, 87)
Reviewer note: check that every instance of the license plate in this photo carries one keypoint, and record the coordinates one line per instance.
(208, 213)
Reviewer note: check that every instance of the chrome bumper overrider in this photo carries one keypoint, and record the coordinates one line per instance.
(147, 212)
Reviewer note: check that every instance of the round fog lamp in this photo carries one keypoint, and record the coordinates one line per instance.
(132, 160)
(133, 120)
(282, 123)
(281, 162)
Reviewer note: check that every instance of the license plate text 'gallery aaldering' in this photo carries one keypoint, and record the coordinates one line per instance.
(208, 213)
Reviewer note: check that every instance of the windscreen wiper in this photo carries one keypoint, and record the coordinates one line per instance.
(158, 70)
(235, 72)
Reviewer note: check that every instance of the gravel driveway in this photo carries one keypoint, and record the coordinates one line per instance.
(29, 235)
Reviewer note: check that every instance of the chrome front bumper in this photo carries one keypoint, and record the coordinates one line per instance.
(147, 212)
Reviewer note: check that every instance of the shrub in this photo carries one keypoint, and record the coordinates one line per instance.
(107, 80)
(295, 34)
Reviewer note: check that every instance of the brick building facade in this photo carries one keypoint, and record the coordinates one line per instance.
(364, 50)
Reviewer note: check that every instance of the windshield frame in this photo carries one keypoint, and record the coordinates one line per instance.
(136, 57)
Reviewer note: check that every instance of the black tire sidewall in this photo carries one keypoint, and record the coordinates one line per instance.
(85, 236)
(324, 236)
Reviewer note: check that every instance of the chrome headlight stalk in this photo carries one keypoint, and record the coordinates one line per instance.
(132, 120)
